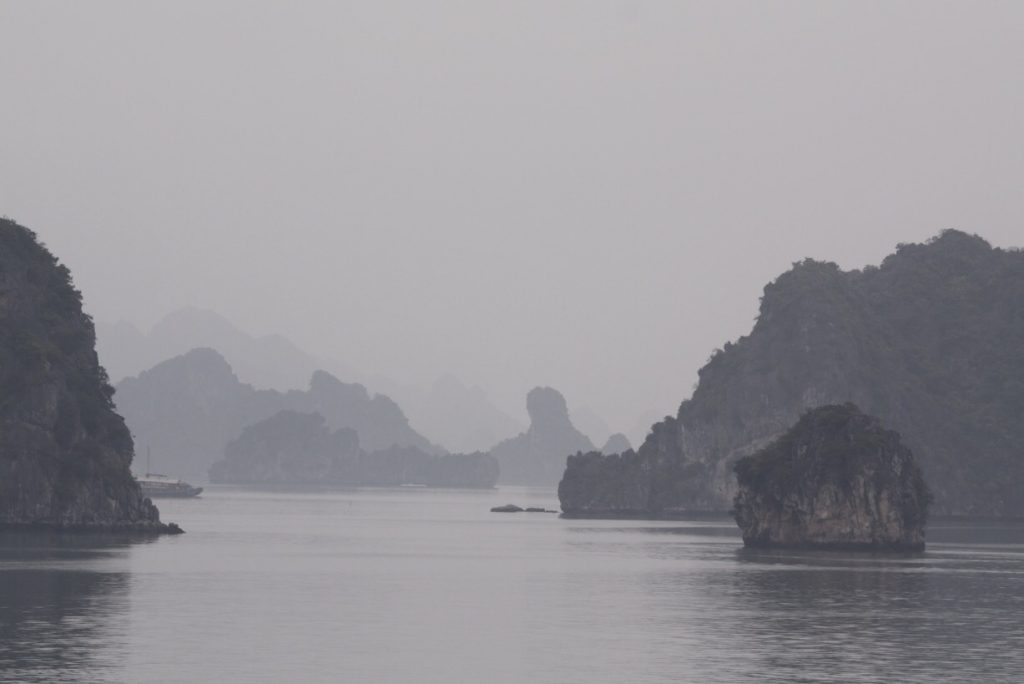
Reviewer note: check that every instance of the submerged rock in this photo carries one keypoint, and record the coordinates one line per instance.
(835, 479)
(512, 508)
(65, 454)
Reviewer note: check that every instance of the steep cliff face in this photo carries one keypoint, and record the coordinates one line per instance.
(537, 456)
(932, 340)
(298, 448)
(836, 479)
(64, 452)
(187, 409)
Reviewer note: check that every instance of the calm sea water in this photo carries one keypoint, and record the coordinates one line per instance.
(429, 586)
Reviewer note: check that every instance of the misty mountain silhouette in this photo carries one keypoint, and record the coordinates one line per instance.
(187, 409)
(616, 444)
(298, 448)
(590, 423)
(456, 416)
(537, 456)
(266, 362)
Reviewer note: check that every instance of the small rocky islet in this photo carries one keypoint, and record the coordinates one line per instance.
(836, 479)
(512, 508)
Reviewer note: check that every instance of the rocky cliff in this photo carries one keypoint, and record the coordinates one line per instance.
(932, 340)
(836, 479)
(298, 448)
(65, 454)
(187, 409)
(537, 456)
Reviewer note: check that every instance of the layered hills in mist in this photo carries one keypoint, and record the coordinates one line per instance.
(188, 408)
(931, 341)
(450, 413)
(187, 412)
(457, 416)
(298, 448)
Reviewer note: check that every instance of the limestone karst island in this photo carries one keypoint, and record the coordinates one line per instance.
(574, 342)
(65, 453)
(929, 343)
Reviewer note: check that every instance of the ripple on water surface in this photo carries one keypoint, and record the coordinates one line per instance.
(429, 586)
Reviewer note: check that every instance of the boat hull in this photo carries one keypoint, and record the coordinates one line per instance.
(155, 493)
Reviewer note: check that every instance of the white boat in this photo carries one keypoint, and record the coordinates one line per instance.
(156, 486)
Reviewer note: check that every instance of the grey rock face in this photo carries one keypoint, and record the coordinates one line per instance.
(64, 453)
(932, 341)
(538, 456)
(836, 479)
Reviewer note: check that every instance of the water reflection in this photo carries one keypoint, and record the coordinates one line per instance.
(384, 587)
(834, 617)
(63, 607)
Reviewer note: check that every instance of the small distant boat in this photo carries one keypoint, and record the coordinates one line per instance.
(161, 486)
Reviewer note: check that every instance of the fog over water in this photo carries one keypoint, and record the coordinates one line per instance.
(587, 195)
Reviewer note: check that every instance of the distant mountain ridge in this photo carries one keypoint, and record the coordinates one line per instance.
(188, 408)
(459, 417)
(931, 342)
(265, 361)
(298, 448)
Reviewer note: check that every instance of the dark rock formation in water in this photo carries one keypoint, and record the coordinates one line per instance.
(299, 448)
(187, 410)
(836, 479)
(601, 485)
(932, 341)
(537, 456)
(616, 444)
(65, 454)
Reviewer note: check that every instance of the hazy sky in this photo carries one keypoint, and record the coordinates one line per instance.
(589, 195)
